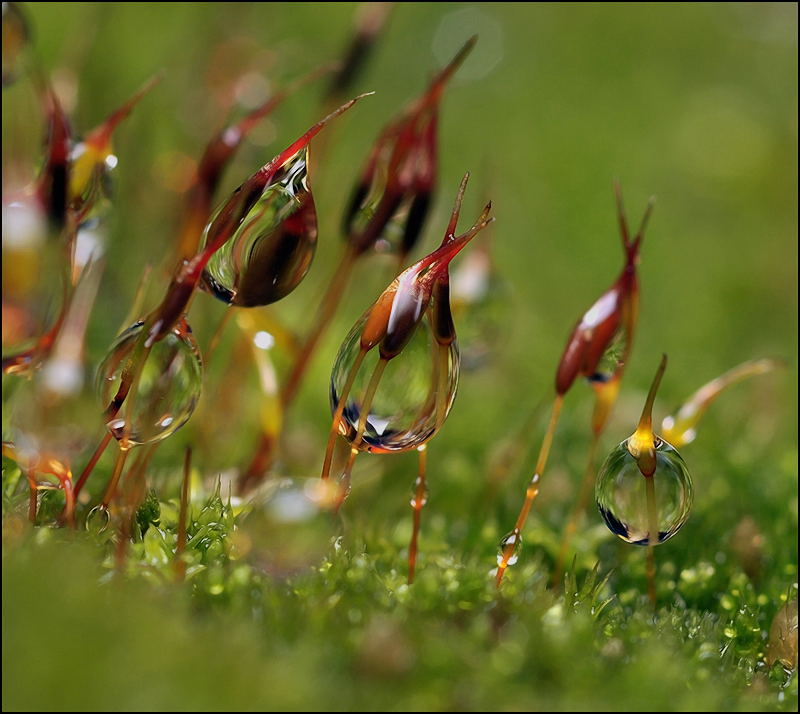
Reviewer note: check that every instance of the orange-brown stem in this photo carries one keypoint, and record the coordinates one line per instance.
(417, 504)
(69, 498)
(98, 452)
(533, 489)
(115, 476)
(344, 481)
(642, 443)
(337, 416)
(369, 395)
(652, 538)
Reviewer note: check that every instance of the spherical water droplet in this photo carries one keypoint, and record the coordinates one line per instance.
(621, 494)
(97, 520)
(168, 388)
(403, 413)
(271, 252)
(511, 540)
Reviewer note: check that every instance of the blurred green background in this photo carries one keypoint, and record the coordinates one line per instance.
(693, 103)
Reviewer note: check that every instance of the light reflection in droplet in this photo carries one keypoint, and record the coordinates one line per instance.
(263, 340)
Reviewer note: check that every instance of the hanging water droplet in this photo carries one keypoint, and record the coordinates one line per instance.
(97, 520)
(511, 541)
(414, 502)
(270, 253)
(403, 411)
(15, 41)
(621, 494)
(168, 387)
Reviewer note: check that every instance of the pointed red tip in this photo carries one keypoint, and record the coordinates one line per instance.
(100, 136)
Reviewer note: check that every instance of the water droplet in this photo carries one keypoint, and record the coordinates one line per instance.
(97, 520)
(425, 492)
(403, 412)
(168, 388)
(621, 494)
(511, 540)
(270, 253)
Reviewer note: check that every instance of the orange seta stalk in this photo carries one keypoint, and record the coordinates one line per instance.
(417, 503)
(531, 492)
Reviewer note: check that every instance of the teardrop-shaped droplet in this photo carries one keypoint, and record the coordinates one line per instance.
(621, 494)
(271, 252)
(511, 541)
(403, 412)
(168, 386)
(15, 41)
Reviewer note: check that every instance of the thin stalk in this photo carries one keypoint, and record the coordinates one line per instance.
(69, 498)
(344, 481)
(533, 489)
(369, 395)
(443, 362)
(417, 504)
(652, 538)
(115, 476)
(98, 452)
(326, 466)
